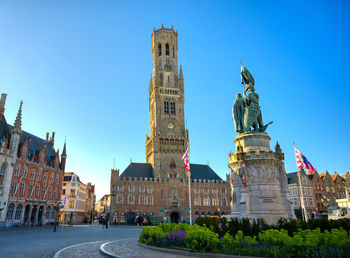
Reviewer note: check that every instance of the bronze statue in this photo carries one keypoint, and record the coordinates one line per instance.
(246, 111)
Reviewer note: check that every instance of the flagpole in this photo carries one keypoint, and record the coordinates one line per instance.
(189, 195)
(302, 205)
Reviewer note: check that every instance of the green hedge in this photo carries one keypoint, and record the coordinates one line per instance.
(273, 242)
(253, 228)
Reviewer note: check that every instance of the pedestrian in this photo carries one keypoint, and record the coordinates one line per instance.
(103, 220)
(107, 220)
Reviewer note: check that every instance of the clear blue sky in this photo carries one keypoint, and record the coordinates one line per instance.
(83, 69)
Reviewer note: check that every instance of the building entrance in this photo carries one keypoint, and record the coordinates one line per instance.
(174, 217)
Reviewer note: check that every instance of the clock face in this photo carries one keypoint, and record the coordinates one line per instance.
(168, 67)
(171, 125)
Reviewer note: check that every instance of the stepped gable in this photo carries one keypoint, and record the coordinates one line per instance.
(142, 170)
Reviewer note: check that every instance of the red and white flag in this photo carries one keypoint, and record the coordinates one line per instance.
(302, 162)
(186, 159)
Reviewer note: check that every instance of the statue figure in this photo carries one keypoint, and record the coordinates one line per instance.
(238, 113)
(246, 111)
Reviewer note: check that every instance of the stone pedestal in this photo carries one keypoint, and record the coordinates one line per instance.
(258, 179)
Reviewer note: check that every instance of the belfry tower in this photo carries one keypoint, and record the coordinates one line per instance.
(168, 138)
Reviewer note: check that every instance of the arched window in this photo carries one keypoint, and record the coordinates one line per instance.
(120, 198)
(141, 199)
(150, 200)
(10, 211)
(53, 214)
(18, 213)
(167, 49)
(197, 201)
(166, 107)
(159, 49)
(172, 108)
(48, 212)
(2, 173)
(206, 201)
(131, 199)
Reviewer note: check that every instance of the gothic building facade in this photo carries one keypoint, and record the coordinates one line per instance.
(158, 189)
(31, 174)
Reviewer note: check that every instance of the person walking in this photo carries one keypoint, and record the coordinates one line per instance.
(103, 220)
(107, 220)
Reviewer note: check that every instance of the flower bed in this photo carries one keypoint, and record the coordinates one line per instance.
(269, 243)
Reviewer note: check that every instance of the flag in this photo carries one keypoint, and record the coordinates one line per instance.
(63, 202)
(186, 159)
(302, 162)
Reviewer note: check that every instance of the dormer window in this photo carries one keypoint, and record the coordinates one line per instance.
(167, 49)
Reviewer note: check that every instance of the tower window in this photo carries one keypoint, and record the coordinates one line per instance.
(173, 52)
(161, 79)
(160, 63)
(159, 49)
(167, 49)
(166, 107)
(172, 108)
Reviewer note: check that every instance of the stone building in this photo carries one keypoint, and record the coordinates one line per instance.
(75, 194)
(320, 193)
(90, 200)
(104, 204)
(31, 174)
(307, 191)
(158, 189)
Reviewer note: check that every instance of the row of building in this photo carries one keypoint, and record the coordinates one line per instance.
(319, 191)
(33, 180)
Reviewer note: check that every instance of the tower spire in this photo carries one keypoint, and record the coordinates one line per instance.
(17, 126)
(64, 149)
(181, 74)
(16, 130)
(63, 157)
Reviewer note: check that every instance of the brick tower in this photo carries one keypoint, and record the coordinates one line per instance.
(168, 138)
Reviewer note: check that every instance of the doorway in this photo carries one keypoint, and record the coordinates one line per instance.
(174, 217)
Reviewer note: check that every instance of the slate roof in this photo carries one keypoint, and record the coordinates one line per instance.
(143, 170)
(4, 130)
(200, 171)
(34, 144)
(292, 178)
(69, 178)
(138, 170)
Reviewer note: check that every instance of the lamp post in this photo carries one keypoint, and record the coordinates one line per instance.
(57, 211)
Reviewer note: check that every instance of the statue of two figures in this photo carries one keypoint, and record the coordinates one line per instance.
(246, 111)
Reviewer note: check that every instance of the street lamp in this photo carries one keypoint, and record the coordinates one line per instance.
(57, 211)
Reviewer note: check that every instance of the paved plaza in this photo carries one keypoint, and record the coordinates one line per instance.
(43, 242)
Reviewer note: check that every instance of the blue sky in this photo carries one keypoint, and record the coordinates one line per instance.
(82, 69)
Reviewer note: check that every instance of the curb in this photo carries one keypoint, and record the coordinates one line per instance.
(186, 253)
(103, 250)
(57, 254)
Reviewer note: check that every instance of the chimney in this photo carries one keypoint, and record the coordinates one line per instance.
(52, 140)
(2, 103)
(47, 136)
